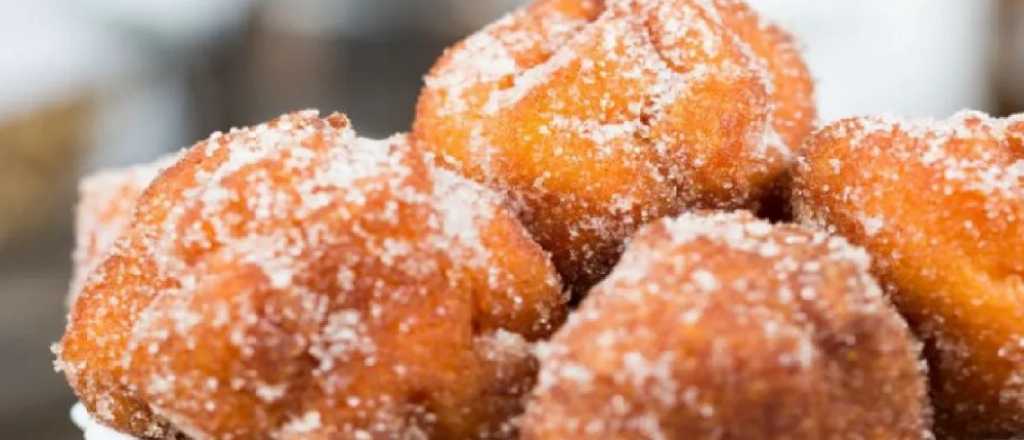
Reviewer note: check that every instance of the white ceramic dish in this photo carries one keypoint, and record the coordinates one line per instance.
(93, 430)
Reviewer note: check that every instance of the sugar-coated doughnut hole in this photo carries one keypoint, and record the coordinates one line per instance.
(598, 117)
(296, 281)
(723, 326)
(940, 207)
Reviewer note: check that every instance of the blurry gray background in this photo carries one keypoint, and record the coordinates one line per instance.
(96, 83)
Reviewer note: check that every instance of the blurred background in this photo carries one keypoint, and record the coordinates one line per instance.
(89, 84)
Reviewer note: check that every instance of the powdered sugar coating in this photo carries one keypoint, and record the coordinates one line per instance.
(291, 280)
(723, 326)
(940, 205)
(597, 117)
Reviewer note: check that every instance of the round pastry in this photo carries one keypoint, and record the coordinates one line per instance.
(940, 206)
(600, 116)
(106, 201)
(723, 326)
(291, 280)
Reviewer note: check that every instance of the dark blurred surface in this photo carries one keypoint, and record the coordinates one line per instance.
(174, 84)
(1009, 70)
(33, 279)
(373, 78)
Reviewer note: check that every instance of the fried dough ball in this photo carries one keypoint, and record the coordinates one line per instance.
(106, 201)
(598, 117)
(291, 280)
(722, 326)
(940, 206)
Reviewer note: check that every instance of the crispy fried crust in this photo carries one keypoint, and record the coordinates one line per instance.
(601, 116)
(940, 206)
(292, 280)
(723, 326)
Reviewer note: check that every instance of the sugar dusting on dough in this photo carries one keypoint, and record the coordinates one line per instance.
(265, 203)
(105, 207)
(939, 203)
(617, 367)
(629, 68)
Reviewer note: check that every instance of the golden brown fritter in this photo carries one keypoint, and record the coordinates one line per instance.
(598, 117)
(792, 89)
(106, 200)
(291, 280)
(940, 206)
(720, 326)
